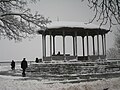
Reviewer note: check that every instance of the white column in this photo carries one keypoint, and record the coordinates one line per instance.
(50, 45)
(93, 45)
(73, 45)
(45, 44)
(103, 45)
(43, 50)
(76, 43)
(87, 45)
(64, 45)
(83, 46)
(98, 45)
(53, 44)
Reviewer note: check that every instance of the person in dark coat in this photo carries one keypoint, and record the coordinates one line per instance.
(24, 65)
(36, 60)
(13, 65)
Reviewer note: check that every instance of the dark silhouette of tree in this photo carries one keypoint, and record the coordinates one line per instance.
(16, 20)
(106, 11)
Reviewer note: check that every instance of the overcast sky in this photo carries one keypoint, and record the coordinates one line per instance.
(64, 10)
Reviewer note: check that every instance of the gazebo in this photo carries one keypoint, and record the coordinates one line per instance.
(74, 29)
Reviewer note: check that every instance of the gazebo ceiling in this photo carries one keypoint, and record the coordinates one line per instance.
(69, 29)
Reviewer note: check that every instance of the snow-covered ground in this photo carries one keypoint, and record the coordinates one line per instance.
(23, 83)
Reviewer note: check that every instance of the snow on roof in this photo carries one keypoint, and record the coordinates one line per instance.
(61, 24)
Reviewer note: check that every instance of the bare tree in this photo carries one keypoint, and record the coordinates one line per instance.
(112, 53)
(106, 11)
(117, 40)
(16, 20)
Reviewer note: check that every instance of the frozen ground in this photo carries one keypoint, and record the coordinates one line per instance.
(25, 83)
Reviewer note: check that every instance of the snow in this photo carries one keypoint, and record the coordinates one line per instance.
(74, 61)
(27, 83)
(5, 68)
(60, 24)
(18, 84)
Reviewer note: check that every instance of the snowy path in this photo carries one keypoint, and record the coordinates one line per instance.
(8, 82)
(20, 83)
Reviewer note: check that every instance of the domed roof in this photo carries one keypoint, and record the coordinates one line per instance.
(57, 28)
(61, 24)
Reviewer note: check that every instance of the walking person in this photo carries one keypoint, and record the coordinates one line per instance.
(24, 65)
(13, 65)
